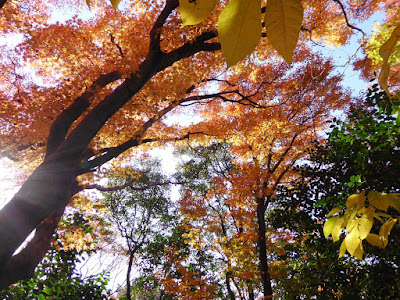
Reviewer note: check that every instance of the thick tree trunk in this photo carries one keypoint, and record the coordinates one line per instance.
(262, 249)
(37, 205)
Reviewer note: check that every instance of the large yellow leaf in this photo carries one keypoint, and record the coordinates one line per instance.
(359, 252)
(239, 29)
(88, 3)
(329, 225)
(385, 51)
(194, 11)
(366, 222)
(337, 229)
(378, 200)
(352, 224)
(353, 241)
(375, 240)
(356, 199)
(283, 20)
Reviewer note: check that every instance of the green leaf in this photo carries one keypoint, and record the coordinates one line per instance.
(193, 12)
(41, 297)
(283, 20)
(334, 211)
(329, 225)
(239, 29)
(378, 200)
(48, 291)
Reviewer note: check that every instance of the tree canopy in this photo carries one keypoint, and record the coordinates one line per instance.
(84, 95)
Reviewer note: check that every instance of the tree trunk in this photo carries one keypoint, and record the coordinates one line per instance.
(128, 276)
(262, 249)
(228, 286)
(39, 204)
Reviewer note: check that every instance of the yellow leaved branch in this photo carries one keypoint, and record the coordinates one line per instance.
(385, 51)
(358, 220)
(239, 25)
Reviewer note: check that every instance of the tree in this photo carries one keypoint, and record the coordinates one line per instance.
(141, 211)
(361, 153)
(269, 140)
(101, 87)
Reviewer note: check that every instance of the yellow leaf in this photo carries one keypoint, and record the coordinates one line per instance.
(385, 230)
(374, 240)
(356, 199)
(239, 29)
(366, 222)
(334, 211)
(88, 3)
(329, 225)
(353, 223)
(342, 249)
(379, 201)
(283, 20)
(193, 12)
(115, 3)
(394, 200)
(385, 51)
(337, 229)
(352, 241)
(359, 252)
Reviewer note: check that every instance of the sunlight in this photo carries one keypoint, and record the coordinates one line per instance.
(7, 185)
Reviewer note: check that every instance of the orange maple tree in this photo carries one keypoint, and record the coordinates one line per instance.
(77, 93)
(282, 110)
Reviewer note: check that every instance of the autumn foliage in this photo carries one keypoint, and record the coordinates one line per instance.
(99, 84)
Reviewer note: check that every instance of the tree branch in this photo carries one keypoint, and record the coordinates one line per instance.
(68, 116)
(345, 17)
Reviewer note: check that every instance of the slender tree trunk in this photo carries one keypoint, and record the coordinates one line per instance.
(128, 275)
(228, 286)
(262, 249)
(251, 295)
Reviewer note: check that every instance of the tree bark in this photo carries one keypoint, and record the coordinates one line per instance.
(262, 249)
